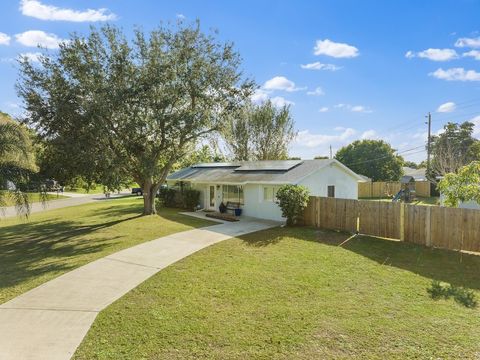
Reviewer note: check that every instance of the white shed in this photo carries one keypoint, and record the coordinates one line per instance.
(253, 184)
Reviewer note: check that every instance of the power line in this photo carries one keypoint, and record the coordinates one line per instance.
(386, 156)
(406, 125)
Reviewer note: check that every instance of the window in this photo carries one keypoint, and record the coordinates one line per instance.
(233, 193)
(270, 193)
(331, 191)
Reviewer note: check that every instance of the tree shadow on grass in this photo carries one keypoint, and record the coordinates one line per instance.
(458, 269)
(32, 249)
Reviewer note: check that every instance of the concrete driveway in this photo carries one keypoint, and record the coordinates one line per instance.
(50, 321)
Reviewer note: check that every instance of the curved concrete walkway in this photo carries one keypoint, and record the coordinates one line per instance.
(50, 321)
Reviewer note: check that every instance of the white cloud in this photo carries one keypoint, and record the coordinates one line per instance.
(4, 39)
(31, 56)
(476, 122)
(280, 83)
(34, 38)
(319, 66)
(447, 107)
(317, 92)
(438, 54)
(456, 74)
(353, 108)
(307, 139)
(473, 53)
(323, 109)
(181, 16)
(333, 49)
(468, 42)
(259, 96)
(36, 9)
(279, 101)
(360, 108)
(369, 134)
(434, 54)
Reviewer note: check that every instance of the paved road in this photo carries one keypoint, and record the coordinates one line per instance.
(77, 199)
(50, 321)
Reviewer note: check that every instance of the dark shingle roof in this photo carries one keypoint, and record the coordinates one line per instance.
(254, 171)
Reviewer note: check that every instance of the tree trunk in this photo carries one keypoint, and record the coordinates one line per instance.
(149, 196)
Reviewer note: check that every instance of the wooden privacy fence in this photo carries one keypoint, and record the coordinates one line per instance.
(449, 228)
(389, 188)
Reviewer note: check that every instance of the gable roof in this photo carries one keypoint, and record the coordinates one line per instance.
(417, 174)
(243, 172)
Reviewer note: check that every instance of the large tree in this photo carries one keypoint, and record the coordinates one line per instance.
(16, 163)
(260, 132)
(372, 158)
(453, 148)
(115, 110)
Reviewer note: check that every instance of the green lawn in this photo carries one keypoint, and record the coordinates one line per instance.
(97, 189)
(50, 243)
(295, 294)
(34, 197)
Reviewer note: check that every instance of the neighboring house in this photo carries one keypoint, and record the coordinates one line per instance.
(254, 183)
(417, 174)
(471, 204)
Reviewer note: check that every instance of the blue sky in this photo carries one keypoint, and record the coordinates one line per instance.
(349, 69)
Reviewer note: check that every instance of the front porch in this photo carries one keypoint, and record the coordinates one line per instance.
(213, 195)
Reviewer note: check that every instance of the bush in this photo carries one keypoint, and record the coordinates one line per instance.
(167, 197)
(292, 199)
(191, 198)
(461, 295)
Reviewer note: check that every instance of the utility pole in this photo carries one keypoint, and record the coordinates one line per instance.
(331, 156)
(429, 123)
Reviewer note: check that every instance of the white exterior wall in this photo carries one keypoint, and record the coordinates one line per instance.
(203, 193)
(256, 207)
(463, 205)
(346, 186)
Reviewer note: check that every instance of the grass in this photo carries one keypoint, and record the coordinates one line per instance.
(50, 243)
(295, 294)
(33, 198)
(428, 201)
(97, 189)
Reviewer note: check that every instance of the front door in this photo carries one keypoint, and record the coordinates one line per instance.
(211, 197)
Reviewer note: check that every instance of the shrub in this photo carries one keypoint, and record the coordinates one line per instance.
(167, 197)
(292, 199)
(191, 198)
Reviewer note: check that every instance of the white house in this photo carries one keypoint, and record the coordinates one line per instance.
(253, 184)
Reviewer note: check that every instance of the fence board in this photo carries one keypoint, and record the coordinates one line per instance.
(422, 188)
(380, 218)
(387, 189)
(415, 224)
(449, 228)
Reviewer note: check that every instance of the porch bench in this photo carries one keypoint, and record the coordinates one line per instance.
(232, 205)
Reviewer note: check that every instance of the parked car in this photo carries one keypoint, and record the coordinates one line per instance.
(137, 191)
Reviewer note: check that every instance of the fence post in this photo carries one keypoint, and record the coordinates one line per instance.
(402, 221)
(428, 227)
